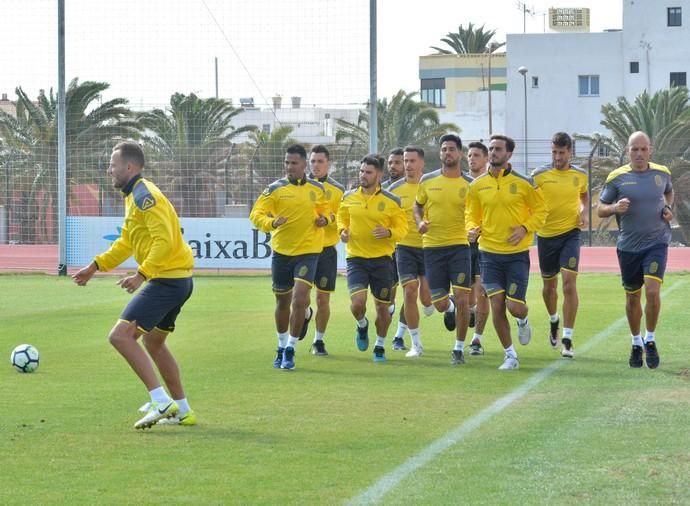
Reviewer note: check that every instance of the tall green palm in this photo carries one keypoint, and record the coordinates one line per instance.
(263, 160)
(469, 40)
(29, 148)
(665, 117)
(190, 143)
(401, 121)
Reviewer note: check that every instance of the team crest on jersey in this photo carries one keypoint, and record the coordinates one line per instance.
(512, 289)
(303, 271)
(328, 194)
(461, 278)
(654, 266)
(384, 293)
(147, 203)
(657, 180)
(572, 262)
(462, 192)
(312, 196)
(576, 183)
(381, 206)
(513, 188)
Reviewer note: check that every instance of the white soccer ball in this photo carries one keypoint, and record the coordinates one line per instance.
(24, 358)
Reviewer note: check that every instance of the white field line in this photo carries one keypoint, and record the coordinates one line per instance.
(390, 480)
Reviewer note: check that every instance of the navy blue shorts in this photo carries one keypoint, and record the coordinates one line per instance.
(286, 269)
(561, 252)
(396, 279)
(326, 270)
(158, 303)
(474, 259)
(410, 263)
(447, 267)
(376, 273)
(650, 263)
(507, 273)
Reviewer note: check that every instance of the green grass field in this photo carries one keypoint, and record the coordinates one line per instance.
(588, 431)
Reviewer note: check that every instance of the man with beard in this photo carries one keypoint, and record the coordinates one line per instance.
(370, 222)
(294, 210)
(478, 159)
(508, 209)
(409, 254)
(151, 233)
(564, 187)
(440, 216)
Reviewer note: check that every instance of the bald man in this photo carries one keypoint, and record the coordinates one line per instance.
(640, 195)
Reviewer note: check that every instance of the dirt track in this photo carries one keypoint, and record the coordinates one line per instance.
(44, 258)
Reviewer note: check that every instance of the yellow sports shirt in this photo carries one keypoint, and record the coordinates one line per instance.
(496, 204)
(561, 190)
(301, 203)
(151, 233)
(444, 200)
(407, 193)
(334, 194)
(360, 213)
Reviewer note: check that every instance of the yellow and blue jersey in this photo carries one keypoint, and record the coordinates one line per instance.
(444, 200)
(497, 204)
(562, 191)
(334, 192)
(151, 233)
(301, 202)
(361, 213)
(407, 193)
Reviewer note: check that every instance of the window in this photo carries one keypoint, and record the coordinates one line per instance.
(603, 150)
(634, 67)
(535, 81)
(434, 91)
(678, 79)
(588, 86)
(674, 16)
(266, 128)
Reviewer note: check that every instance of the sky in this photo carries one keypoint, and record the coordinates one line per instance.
(315, 49)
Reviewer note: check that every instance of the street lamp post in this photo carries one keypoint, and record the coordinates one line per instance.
(523, 70)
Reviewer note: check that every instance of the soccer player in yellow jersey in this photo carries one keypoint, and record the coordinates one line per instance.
(295, 211)
(506, 209)
(564, 188)
(478, 160)
(409, 254)
(440, 217)
(371, 221)
(327, 265)
(152, 234)
(396, 172)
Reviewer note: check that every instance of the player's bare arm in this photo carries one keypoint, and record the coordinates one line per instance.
(620, 207)
(418, 212)
(85, 274)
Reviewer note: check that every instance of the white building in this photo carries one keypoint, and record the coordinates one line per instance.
(314, 125)
(571, 75)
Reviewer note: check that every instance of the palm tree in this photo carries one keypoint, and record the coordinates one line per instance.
(190, 144)
(29, 148)
(665, 117)
(263, 157)
(401, 122)
(469, 40)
